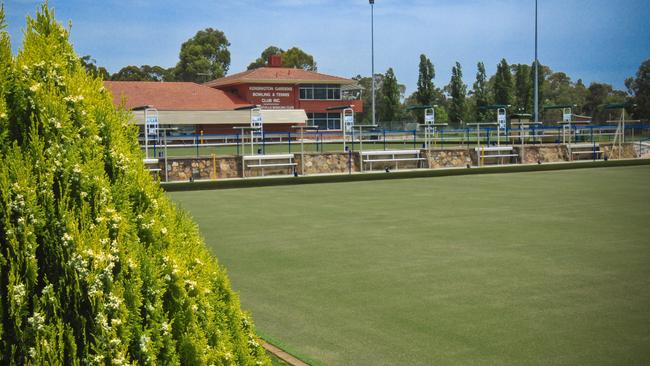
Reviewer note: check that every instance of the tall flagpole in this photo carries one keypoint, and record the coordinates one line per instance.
(536, 70)
(372, 36)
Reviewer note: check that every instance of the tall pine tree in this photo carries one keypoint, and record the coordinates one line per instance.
(481, 94)
(389, 96)
(523, 88)
(426, 90)
(458, 91)
(503, 84)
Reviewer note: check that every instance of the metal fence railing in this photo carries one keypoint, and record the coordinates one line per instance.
(382, 139)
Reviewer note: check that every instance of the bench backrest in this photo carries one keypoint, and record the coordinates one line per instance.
(269, 157)
(494, 148)
(390, 152)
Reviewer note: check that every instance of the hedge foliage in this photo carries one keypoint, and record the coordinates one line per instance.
(97, 266)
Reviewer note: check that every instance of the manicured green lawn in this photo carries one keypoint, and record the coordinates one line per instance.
(549, 268)
(280, 148)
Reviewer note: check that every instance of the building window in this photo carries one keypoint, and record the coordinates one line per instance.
(320, 92)
(325, 121)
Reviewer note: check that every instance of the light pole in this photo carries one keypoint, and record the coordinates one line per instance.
(536, 71)
(372, 37)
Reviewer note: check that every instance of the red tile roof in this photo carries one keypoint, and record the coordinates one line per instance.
(275, 75)
(172, 96)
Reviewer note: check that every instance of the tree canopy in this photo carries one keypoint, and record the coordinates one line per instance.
(91, 67)
(458, 92)
(204, 57)
(640, 87)
(426, 89)
(293, 58)
(503, 84)
(480, 94)
(389, 98)
(143, 73)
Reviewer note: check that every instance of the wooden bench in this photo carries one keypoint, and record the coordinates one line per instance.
(390, 156)
(585, 150)
(267, 161)
(494, 152)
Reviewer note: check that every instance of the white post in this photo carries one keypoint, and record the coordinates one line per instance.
(372, 36)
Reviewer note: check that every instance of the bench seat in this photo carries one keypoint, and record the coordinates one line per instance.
(499, 156)
(494, 148)
(270, 165)
(582, 146)
(389, 160)
(390, 152)
(587, 152)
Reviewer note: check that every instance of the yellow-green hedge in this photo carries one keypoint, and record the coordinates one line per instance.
(97, 266)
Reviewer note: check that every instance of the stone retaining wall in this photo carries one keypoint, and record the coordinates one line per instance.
(552, 153)
(182, 169)
(326, 163)
(449, 158)
(611, 151)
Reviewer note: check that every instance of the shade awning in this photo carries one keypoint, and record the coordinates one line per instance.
(284, 116)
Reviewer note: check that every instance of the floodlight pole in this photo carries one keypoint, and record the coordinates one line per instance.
(372, 42)
(536, 71)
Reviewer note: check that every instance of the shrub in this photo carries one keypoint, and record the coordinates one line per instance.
(97, 266)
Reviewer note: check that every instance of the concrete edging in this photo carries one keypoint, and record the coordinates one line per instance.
(420, 173)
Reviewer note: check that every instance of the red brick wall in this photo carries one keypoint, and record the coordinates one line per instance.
(228, 129)
(291, 102)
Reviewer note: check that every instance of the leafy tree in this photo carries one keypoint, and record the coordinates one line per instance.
(640, 86)
(389, 98)
(503, 84)
(143, 73)
(560, 89)
(91, 67)
(299, 59)
(458, 92)
(523, 88)
(580, 94)
(366, 83)
(203, 57)
(599, 95)
(263, 59)
(97, 265)
(426, 90)
(544, 73)
(480, 94)
(293, 58)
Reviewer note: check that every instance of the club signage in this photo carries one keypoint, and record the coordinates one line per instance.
(272, 96)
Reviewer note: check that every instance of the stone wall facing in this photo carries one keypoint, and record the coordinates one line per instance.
(326, 163)
(449, 158)
(181, 169)
(551, 153)
(612, 151)
(227, 167)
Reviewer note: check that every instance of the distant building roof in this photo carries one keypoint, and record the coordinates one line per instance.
(278, 75)
(172, 96)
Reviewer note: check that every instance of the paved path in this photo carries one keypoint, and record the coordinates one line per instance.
(283, 355)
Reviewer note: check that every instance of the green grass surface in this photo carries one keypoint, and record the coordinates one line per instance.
(519, 269)
(279, 148)
(275, 361)
(451, 141)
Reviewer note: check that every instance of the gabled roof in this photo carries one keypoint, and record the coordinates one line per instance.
(172, 96)
(278, 75)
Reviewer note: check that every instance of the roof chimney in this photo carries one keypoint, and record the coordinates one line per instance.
(275, 61)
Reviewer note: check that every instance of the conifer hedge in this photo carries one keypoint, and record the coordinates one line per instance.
(97, 266)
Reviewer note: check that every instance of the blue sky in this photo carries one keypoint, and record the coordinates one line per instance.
(595, 40)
